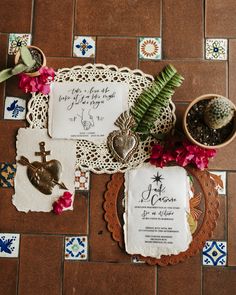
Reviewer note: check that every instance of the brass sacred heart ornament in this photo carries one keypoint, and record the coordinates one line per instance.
(43, 175)
(124, 142)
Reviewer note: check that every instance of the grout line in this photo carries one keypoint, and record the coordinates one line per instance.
(49, 234)
(18, 267)
(95, 53)
(227, 71)
(95, 57)
(137, 54)
(226, 217)
(202, 276)
(204, 17)
(73, 26)
(32, 24)
(112, 37)
(157, 268)
(204, 10)
(228, 64)
(88, 218)
(152, 60)
(138, 59)
(204, 28)
(161, 29)
(62, 266)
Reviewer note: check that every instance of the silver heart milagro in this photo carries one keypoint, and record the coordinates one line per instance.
(123, 143)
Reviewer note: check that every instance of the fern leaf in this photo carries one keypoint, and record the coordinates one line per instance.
(151, 102)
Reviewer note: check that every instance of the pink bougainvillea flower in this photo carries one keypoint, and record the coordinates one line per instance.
(160, 157)
(157, 153)
(64, 201)
(67, 195)
(39, 83)
(43, 88)
(191, 153)
(46, 75)
(183, 153)
(57, 208)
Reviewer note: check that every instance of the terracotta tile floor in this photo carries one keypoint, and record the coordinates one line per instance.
(117, 25)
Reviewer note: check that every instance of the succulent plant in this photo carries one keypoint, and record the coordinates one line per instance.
(219, 112)
(26, 63)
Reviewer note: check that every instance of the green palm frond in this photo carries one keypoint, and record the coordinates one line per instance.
(151, 102)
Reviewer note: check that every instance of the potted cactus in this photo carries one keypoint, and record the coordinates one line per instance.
(210, 122)
(28, 60)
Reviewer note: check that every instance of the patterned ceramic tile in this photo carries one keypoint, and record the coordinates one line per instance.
(76, 248)
(216, 49)
(16, 41)
(82, 180)
(214, 253)
(150, 48)
(15, 108)
(9, 245)
(221, 178)
(7, 174)
(84, 46)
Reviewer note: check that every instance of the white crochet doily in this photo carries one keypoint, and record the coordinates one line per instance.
(97, 158)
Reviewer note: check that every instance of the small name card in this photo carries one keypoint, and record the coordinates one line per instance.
(157, 202)
(86, 110)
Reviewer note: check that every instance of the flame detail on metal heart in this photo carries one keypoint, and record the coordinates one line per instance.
(43, 175)
(124, 142)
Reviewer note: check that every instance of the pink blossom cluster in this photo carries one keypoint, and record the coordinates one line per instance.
(39, 83)
(64, 201)
(182, 153)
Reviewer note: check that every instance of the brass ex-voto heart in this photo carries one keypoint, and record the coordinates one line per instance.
(123, 143)
(43, 175)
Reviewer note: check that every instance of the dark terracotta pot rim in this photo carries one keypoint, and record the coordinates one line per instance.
(196, 100)
(34, 74)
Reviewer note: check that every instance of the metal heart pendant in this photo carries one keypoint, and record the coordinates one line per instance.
(123, 143)
(43, 175)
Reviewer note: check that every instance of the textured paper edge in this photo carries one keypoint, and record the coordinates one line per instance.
(54, 196)
(158, 249)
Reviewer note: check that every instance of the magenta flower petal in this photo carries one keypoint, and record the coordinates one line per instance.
(57, 208)
(183, 153)
(37, 84)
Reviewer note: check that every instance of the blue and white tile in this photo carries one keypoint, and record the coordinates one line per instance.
(16, 41)
(76, 248)
(84, 46)
(216, 49)
(9, 245)
(214, 253)
(82, 180)
(15, 108)
(7, 174)
(222, 176)
(150, 48)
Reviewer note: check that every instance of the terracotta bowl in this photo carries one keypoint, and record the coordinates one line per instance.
(34, 74)
(185, 128)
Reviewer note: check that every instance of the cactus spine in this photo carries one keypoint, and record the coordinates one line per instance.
(219, 112)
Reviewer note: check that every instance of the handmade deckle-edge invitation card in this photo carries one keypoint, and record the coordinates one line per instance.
(45, 170)
(157, 203)
(85, 110)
